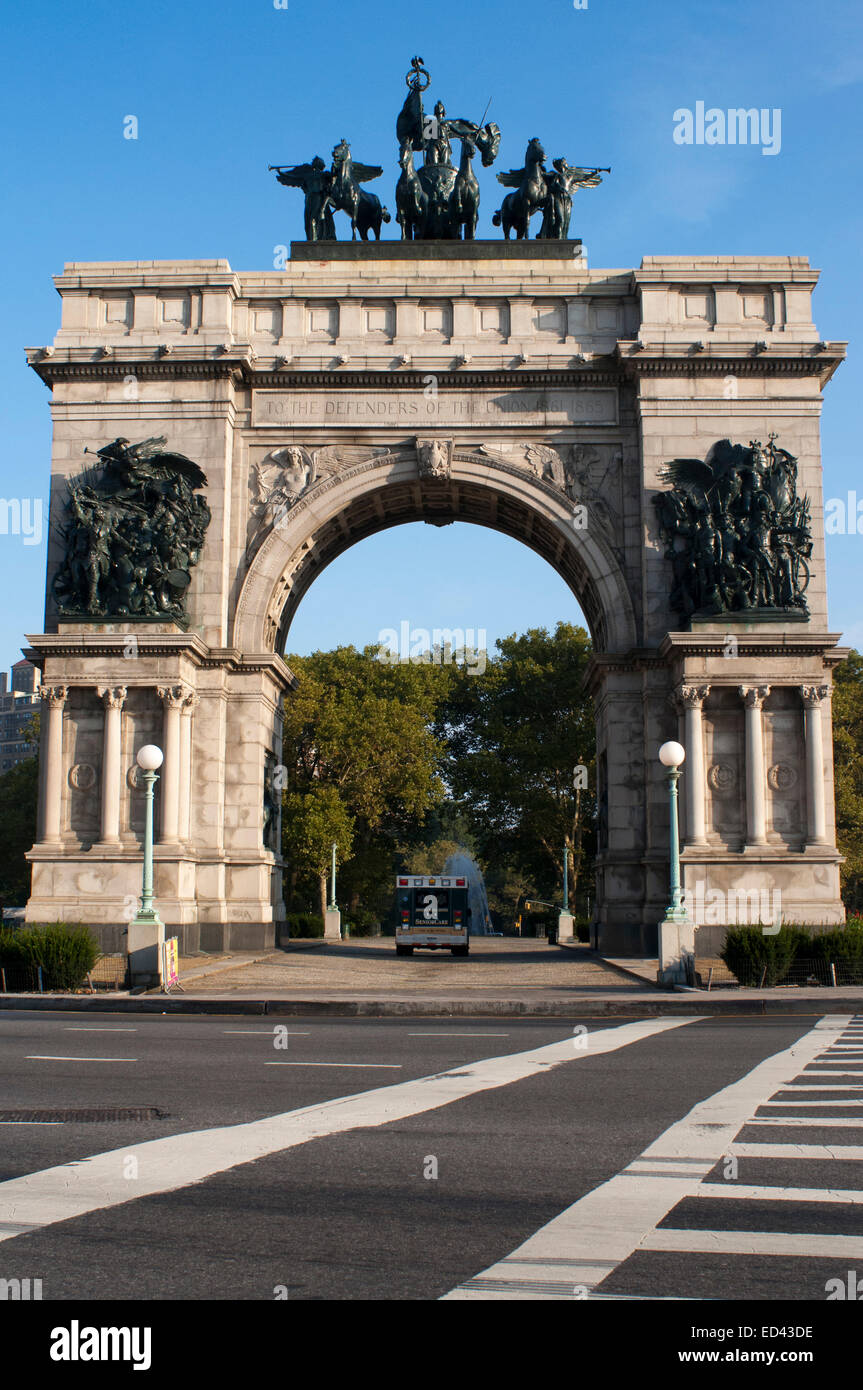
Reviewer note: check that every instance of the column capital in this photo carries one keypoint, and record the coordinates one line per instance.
(753, 696)
(112, 696)
(812, 695)
(692, 696)
(191, 702)
(55, 695)
(173, 696)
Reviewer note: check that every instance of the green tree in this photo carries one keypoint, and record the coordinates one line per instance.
(848, 769)
(363, 728)
(313, 822)
(522, 755)
(18, 797)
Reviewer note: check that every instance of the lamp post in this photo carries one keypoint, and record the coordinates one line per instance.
(146, 932)
(333, 918)
(671, 755)
(676, 932)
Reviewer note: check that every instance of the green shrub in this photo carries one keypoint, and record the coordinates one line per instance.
(303, 924)
(757, 959)
(844, 947)
(363, 922)
(582, 928)
(65, 951)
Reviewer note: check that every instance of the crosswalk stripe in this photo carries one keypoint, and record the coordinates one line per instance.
(834, 1102)
(852, 1153)
(91, 1184)
(850, 1196)
(807, 1245)
(806, 1121)
(610, 1223)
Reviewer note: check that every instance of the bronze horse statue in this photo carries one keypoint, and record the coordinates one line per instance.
(436, 200)
(364, 209)
(530, 196)
(465, 195)
(411, 197)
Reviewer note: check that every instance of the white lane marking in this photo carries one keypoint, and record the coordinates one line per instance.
(849, 1196)
(366, 1066)
(91, 1184)
(32, 1122)
(801, 1085)
(36, 1058)
(458, 1035)
(259, 1033)
(852, 1152)
(607, 1225)
(69, 1029)
(805, 1244)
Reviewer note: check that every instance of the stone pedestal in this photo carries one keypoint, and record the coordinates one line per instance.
(565, 927)
(146, 937)
(676, 953)
(332, 924)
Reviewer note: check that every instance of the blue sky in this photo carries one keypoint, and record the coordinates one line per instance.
(221, 89)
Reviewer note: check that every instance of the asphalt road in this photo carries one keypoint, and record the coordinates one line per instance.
(424, 1188)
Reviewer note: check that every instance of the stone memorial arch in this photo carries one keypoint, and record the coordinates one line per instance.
(367, 385)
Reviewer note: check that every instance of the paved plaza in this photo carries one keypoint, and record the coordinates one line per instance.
(495, 966)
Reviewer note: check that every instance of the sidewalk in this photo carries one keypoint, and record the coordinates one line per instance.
(502, 978)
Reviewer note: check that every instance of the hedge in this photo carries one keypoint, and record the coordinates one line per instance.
(755, 958)
(303, 924)
(66, 952)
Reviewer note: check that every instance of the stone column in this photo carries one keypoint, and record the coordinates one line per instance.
(172, 697)
(692, 698)
(756, 789)
(816, 815)
(52, 780)
(189, 705)
(113, 698)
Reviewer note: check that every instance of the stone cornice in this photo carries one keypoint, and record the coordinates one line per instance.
(754, 644)
(88, 646)
(243, 366)
(731, 358)
(239, 367)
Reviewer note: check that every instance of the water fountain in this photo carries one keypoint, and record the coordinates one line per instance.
(461, 865)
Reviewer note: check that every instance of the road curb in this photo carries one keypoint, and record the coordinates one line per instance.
(445, 1008)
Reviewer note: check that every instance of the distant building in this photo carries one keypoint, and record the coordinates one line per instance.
(17, 708)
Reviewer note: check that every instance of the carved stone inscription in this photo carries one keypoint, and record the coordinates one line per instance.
(520, 407)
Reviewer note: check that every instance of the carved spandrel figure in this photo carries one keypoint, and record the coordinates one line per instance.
(434, 457)
(132, 534)
(280, 481)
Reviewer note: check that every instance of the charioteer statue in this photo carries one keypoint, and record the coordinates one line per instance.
(435, 200)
